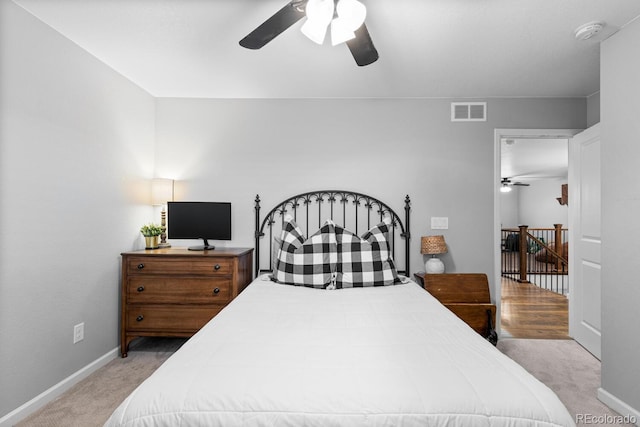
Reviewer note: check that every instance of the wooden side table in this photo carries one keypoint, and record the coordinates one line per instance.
(467, 295)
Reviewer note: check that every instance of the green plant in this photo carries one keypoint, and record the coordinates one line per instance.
(149, 230)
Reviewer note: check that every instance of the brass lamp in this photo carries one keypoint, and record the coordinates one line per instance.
(161, 193)
(433, 245)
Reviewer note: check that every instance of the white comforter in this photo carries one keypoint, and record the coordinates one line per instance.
(289, 356)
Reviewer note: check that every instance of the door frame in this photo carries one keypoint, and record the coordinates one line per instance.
(499, 134)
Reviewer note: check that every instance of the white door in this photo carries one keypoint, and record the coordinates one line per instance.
(585, 239)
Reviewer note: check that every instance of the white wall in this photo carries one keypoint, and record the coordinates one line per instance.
(231, 150)
(538, 207)
(75, 140)
(620, 103)
(510, 208)
(593, 109)
(535, 205)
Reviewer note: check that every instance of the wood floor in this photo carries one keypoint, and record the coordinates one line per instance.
(530, 312)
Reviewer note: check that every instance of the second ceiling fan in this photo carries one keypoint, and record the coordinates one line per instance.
(507, 184)
(344, 17)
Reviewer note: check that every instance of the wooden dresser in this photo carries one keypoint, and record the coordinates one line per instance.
(175, 291)
(467, 295)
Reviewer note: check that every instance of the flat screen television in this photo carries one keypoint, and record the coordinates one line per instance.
(199, 220)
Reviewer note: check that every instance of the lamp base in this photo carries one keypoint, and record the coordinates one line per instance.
(164, 245)
(434, 266)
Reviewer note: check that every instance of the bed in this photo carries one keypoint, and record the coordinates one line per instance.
(341, 353)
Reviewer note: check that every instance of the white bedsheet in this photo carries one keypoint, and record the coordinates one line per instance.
(388, 356)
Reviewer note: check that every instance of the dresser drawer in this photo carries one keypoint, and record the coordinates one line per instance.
(179, 290)
(169, 318)
(179, 265)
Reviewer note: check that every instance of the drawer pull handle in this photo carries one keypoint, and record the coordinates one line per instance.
(216, 267)
(140, 266)
(140, 318)
(140, 288)
(216, 290)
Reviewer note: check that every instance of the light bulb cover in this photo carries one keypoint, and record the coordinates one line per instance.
(351, 16)
(340, 32)
(319, 15)
(505, 189)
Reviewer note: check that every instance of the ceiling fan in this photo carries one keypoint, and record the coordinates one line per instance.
(345, 17)
(507, 184)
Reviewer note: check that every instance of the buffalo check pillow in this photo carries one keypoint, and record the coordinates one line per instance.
(306, 262)
(365, 261)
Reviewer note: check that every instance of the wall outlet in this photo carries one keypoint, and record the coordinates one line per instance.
(78, 333)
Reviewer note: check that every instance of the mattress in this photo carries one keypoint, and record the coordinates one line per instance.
(282, 355)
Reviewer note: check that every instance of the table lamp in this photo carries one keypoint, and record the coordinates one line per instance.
(161, 193)
(433, 245)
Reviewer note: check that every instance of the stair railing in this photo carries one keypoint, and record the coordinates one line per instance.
(530, 244)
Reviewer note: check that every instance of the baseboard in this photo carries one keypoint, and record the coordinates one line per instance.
(633, 415)
(48, 395)
(504, 335)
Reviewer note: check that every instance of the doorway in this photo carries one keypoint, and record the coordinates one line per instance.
(529, 174)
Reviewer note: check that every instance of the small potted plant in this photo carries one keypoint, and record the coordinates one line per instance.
(151, 233)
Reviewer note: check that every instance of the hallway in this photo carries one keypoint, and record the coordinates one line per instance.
(531, 312)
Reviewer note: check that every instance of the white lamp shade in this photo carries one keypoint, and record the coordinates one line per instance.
(319, 16)
(161, 191)
(351, 16)
(340, 32)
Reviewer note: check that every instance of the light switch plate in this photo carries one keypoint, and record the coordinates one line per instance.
(439, 223)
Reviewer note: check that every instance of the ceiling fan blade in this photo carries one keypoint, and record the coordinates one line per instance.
(362, 48)
(275, 25)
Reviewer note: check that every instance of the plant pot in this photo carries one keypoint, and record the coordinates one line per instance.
(151, 242)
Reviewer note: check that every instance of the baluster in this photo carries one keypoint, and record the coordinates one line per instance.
(523, 253)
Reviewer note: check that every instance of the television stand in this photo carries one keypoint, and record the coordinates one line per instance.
(205, 247)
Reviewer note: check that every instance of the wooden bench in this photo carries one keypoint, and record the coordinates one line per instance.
(467, 295)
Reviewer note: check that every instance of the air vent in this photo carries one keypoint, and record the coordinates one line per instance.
(468, 111)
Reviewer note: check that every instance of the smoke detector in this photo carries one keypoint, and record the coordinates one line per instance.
(588, 30)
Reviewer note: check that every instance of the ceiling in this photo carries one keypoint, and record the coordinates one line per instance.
(530, 159)
(428, 48)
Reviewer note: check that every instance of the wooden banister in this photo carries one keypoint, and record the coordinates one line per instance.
(541, 254)
(558, 240)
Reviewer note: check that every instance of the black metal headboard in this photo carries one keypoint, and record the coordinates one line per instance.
(340, 206)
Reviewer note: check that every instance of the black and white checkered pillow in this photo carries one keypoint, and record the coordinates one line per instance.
(365, 261)
(309, 262)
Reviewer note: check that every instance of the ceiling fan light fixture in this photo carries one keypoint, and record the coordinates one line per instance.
(316, 33)
(350, 16)
(505, 188)
(319, 15)
(340, 33)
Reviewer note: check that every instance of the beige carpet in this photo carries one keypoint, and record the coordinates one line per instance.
(91, 401)
(562, 365)
(567, 369)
